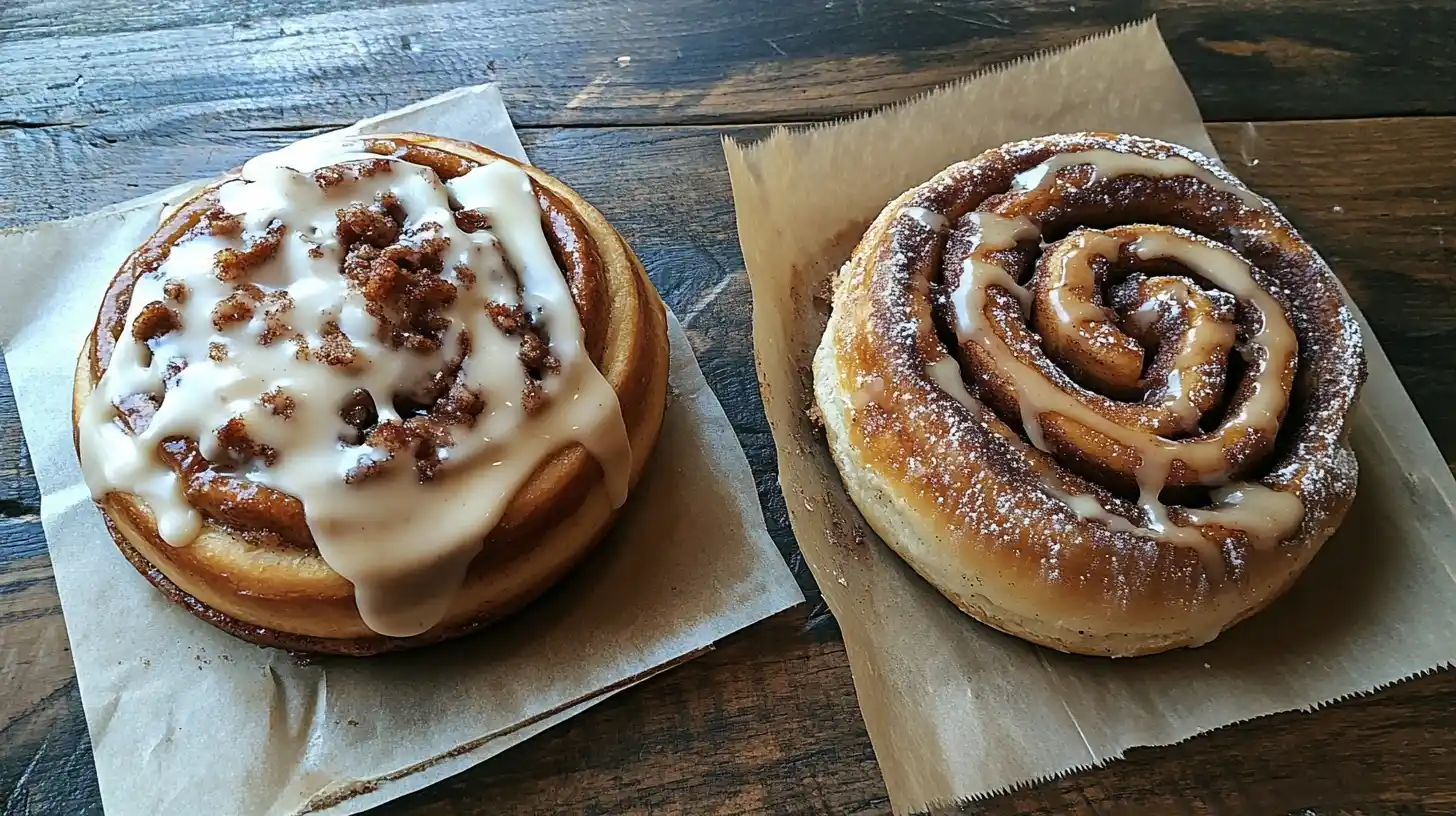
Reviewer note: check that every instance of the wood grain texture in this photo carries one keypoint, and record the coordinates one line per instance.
(768, 723)
(717, 741)
(126, 69)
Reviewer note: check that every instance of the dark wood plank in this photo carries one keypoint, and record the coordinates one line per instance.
(19, 496)
(718, 739)
(768, 724)
(120, 70)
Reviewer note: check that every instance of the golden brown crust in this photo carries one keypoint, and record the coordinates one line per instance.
(962, 495)
(247, 574)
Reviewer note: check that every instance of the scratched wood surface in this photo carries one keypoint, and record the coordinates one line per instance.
(1354, 132)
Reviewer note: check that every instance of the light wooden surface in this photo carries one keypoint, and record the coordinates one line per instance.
(106, 100)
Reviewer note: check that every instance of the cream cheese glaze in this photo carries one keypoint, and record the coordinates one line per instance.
(404, 543)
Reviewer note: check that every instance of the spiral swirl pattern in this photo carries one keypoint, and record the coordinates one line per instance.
(1104, 364)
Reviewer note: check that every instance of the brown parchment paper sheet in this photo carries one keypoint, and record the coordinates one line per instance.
(186, 720)
(955, 709)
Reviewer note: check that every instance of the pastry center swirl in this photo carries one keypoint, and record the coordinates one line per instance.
(1143, 357)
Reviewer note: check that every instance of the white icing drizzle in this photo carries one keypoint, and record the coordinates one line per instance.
(1231, 273)
(1245, 507)
(1112, 164)
(1069, 289)
(1031, 422)
(1179, 400)
(1204, 334)
(1275, 515)
(994, 233)
(946, 373)
(930, 219)
(1070, 294)
(1081, 332)
(404, 544)
(1086, 506)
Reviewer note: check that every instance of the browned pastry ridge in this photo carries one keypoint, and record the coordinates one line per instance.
(1094, 391)
(254, 570)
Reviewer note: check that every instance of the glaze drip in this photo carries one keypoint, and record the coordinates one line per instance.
(1114, 163)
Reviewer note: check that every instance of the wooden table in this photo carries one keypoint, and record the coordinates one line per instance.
(1354, 133)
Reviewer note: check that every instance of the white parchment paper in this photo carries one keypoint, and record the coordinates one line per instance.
(955, 709)
(185, 719)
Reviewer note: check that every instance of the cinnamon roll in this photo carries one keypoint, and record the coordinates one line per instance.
(370, 393)
(1094, 390)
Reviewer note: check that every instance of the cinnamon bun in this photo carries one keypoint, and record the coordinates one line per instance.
(367, 393)
(1094, 390)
